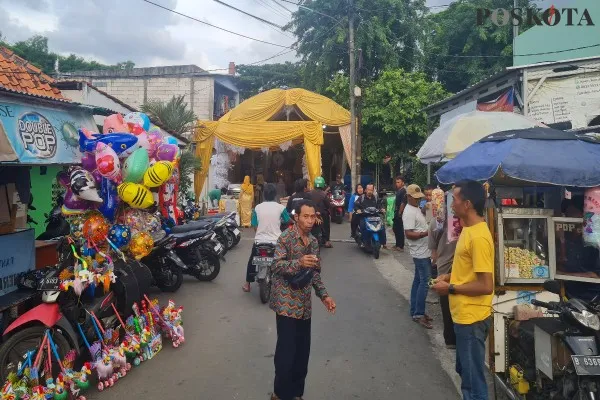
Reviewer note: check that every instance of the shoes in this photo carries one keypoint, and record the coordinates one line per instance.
(274, 397)
(451, 346)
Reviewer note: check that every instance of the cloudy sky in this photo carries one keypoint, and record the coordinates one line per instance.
(111, 31)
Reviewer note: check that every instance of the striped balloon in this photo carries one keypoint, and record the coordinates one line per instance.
(136, 195)
(158, 174)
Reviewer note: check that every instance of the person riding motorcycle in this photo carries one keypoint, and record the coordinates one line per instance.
(267, 218)
(338, 185)
(368, 199)
(321, 200)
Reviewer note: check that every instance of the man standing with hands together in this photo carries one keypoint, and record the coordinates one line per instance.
(470, 288)
(296, 269)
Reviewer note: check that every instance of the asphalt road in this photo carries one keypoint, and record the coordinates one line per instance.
(370, 349)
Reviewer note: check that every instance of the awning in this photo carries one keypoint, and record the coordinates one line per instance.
(32, 133)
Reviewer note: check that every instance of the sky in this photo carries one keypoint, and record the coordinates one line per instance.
(112, 31)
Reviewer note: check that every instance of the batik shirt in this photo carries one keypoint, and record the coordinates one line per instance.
(286, 301)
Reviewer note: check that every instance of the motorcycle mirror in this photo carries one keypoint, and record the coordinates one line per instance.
(552, 286)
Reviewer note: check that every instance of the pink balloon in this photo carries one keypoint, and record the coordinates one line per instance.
(166, 152)
(144, 142)
(108, 162)
(115, 124)
(88, 161)
(155, 139)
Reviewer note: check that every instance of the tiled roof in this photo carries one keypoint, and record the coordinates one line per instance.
(18, 75)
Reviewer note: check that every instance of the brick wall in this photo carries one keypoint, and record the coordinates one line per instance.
(129, 91)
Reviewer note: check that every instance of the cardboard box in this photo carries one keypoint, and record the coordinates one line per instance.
(8, 211)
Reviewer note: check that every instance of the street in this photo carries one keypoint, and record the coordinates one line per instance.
(370, 349)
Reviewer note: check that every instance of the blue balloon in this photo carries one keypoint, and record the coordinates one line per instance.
(110, 199)
(120, 235)
(170, 140)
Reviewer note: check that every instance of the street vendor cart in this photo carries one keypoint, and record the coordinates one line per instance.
(539, 347)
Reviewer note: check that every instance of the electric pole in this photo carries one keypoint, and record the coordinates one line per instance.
(354, 141)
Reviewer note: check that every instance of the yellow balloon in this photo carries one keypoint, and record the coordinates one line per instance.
(158, 174)
(136, 195)
(140, 245)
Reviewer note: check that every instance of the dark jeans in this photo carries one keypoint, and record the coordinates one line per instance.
(251, 269)
(399, 231)
(449, 335)
(354, 224)
(420, 287)
(470, 359)
(291, 357)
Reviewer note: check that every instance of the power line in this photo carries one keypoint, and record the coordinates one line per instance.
(281, 53)
(215, 26)
(248, 14)
(310, 9)
(270, 7)
(282, 6)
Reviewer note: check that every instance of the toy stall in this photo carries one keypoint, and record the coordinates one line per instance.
(542, 210)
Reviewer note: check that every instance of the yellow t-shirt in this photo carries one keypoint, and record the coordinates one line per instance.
(474, 253)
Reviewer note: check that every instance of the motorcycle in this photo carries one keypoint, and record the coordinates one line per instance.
(263, 261)
(368, 238)
(554, 358)
(56, 225)
(61, 311)
(232, 234)
(338, 204)
(202, 251)
(166, 266)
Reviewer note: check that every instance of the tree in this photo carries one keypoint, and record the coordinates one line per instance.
(387, 31)
(189, 164)
(459, 52)
(174, 115)
(253, 79)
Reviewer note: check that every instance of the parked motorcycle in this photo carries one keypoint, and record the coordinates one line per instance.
(166, 266)
(555, 357)
(61, 311)
(232, 235)
(338, 205)
(263, 261)
(200, 252)
(369, 237)
(56, 225)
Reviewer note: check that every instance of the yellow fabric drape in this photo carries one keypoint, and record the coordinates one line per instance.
(266, 105)
(257, 135)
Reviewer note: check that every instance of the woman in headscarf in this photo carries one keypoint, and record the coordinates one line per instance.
(246, 199)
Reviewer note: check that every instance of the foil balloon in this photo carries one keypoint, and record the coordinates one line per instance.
(62, 178)
(95, 228)
(155, 139)
(97, 177)
(120, 142)
(170, 140)
(140, 245)
(107, 161)
(87, 133)
(135, 166)
(136, 195)
(115, 124)
(143, 142)
(158, 174)
(110, 199)
(167, 152)
(119, 235)
(83, 184)
(137, 129)
(88, 161)
(135, 219)
(73, 204)
(138, 118)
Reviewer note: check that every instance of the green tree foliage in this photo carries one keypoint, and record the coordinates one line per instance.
(458, 52)
(174, 115)
(387, 32)
(253, 79)
(189, 164)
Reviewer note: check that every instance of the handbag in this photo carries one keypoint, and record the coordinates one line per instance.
(301, 279)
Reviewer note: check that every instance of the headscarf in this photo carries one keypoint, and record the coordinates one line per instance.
(246, 186)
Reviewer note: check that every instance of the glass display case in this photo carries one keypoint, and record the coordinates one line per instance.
(574, 260)
(526, 251)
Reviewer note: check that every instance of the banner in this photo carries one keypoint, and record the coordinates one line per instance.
(40, 134)
(503, 103)
(17, 255)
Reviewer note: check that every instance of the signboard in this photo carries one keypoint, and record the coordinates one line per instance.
(575, 98)
(42, 135)
(17, 255)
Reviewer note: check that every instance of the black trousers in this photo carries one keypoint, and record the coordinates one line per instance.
(326, 227)
(251, 269)
(399, 231)
(354, 223)
(291, 356)
(449, 335)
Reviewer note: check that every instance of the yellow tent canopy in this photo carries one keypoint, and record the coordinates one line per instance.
(254, 124)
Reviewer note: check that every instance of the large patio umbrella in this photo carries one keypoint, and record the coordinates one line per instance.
(538, 155)
(458, 133)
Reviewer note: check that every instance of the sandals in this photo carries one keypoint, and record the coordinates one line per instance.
(328, 245)
(423, 322)
(246, 288)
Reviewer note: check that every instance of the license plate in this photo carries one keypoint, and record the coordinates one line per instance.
(218, 247)
(262, 261)
(236, 231)
(586, 365)
(52, 283)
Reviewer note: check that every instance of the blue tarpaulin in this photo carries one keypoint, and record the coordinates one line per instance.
(537, 155)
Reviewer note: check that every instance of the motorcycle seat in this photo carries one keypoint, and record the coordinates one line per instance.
(192, 226)
(190, 234)
(548, 325)
(214, 216)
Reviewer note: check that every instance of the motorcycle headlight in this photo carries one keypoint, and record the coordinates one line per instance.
(587, 319)
(374, 226)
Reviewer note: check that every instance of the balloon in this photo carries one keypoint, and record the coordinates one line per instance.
(136, 195)
(62, 178)
(88, 134)
(134, 219)
(120, 235)
(170, 140)
(115, 124)
(72, 202)
(108, 162)
(140, 245)
(137, 130)
(83, 185)
(143, 142)
(120, 142)
(135, 166)
(152, 223)
(154, 128)
(155, 139)
(97, 177)
(88, 161)
(138, 118)
(158, 174)
(76, 223)
(108, 192)
(95, 228)
(167, 152)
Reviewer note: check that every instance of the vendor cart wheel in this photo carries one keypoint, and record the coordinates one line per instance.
(14, 349)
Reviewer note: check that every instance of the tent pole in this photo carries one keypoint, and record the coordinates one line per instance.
(428, 173)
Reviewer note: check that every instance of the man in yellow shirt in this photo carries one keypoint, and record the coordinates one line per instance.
(470, 288)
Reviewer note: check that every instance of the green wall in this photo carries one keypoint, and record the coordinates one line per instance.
(544, 39)
(41, 189)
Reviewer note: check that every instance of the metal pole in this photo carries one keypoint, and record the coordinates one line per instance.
(353, 163)
(515, 27)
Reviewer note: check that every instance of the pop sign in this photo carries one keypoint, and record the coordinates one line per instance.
(37, 135)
